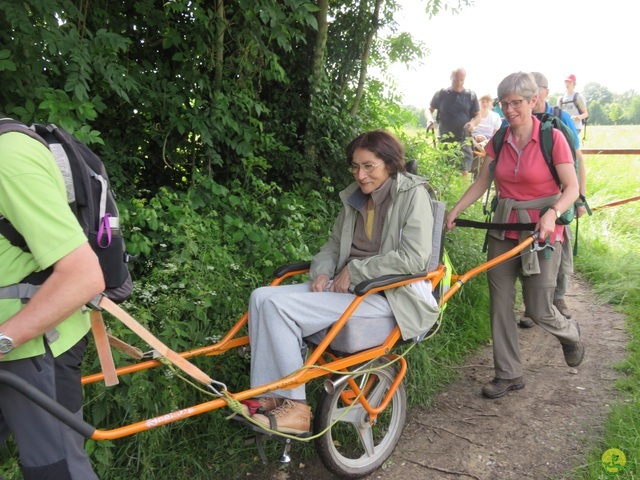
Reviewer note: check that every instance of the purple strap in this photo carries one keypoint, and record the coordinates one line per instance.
(105, 226)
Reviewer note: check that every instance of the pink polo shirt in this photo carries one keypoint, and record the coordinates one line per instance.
(525, 175)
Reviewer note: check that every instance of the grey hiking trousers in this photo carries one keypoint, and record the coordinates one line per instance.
(47, 448)
(281, 317)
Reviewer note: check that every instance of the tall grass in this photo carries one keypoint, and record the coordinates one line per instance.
(609, 258)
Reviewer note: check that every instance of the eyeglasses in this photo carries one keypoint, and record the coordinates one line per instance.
(367, 167)
(513, 104)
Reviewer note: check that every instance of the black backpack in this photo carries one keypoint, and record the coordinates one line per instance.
(90, 198)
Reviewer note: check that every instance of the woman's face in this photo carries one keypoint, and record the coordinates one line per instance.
(485, 104)
(371, 171)
(516, 109)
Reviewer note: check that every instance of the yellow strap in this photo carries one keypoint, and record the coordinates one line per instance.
(103, 348)
(156, 344)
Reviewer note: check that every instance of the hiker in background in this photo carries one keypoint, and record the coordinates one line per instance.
(574, 103)
(527, 192)
(384, 227)
(498, 110)
(542, 107)
(43, 341)
(458, 114)
(489, 124)
(490, 121)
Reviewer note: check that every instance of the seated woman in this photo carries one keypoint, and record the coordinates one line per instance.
(384, 228)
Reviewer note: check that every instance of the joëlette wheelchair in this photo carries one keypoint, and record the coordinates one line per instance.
(362, 410)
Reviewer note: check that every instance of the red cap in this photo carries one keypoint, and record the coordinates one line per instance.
(570, 78)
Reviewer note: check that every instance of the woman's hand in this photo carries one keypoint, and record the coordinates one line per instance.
(319, 283)
(341, 282)
(547, 224)
(451, 220)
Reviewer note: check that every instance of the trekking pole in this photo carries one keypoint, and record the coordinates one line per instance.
(616, 203)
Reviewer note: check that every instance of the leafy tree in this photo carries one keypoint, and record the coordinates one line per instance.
(596, 92)
(632, 111)
(614, 112)
(597, 115)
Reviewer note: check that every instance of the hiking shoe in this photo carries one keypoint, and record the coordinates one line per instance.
(526, 322)
(573, 352)
(260, 405)
(290, 417)
(562, 307)
(500, 386)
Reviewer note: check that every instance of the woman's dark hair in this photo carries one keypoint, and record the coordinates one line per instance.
(384, 146)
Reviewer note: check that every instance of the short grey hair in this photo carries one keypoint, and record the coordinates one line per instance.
(540, 79)
(520, 83)
(455, 72)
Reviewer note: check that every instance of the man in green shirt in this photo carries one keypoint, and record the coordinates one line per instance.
(43, 340)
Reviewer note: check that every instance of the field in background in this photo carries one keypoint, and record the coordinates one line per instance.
(609, 257)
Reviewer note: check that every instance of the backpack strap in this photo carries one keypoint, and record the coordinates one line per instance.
(546, 144)
(575, 102)
(557, 111)
(496, 142)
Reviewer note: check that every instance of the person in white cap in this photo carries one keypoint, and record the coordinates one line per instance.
(574, 103)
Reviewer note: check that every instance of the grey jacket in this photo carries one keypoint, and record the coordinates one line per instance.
(405, 249)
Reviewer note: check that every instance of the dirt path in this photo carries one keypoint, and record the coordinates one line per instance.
(539, 432)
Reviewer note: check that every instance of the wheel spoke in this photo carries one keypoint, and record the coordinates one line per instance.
(352, 414)
(365, 433)
(379, 391)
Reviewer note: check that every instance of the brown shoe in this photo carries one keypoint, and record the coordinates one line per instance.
(261, 405)
(562, 307)
(290, 417)
(526, 322)
(500, 386)
(574, 352)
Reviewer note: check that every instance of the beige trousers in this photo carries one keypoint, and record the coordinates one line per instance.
(537, 291)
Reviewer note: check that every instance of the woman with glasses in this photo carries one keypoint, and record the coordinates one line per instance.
(384, 227)
(526, 192)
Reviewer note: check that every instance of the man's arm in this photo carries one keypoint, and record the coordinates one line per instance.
(76, 279)
(473, 123)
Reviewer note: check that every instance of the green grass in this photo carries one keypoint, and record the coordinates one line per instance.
(609, 258)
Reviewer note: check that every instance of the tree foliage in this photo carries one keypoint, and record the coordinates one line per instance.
(169, 90)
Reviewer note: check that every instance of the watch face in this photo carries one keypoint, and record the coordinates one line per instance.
(6, 344)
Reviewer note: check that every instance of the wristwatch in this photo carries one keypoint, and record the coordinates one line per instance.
(6, 344)
(558, 212)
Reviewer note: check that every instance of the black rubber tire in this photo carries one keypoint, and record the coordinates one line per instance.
(353, 448)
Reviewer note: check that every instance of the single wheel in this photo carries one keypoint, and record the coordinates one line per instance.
(353, 448)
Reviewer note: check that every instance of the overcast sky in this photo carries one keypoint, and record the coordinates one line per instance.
(595, 41)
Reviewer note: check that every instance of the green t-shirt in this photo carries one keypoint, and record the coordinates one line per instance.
(34, 199)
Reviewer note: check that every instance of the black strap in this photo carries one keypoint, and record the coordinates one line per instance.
(518, 227)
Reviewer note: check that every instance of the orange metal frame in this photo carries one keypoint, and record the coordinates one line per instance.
(316, 364)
